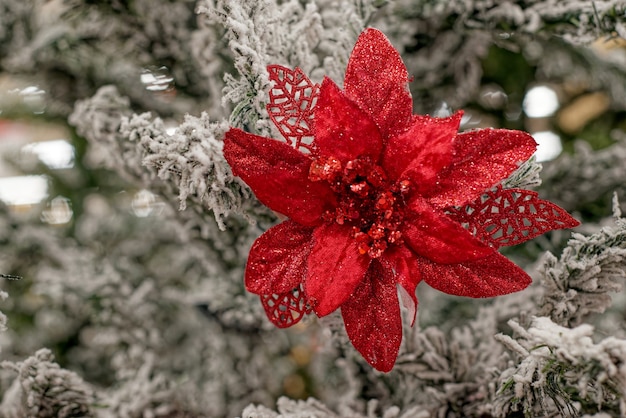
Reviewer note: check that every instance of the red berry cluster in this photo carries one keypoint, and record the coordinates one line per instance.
(366, 201)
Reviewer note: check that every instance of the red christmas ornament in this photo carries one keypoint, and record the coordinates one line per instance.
(379, 199)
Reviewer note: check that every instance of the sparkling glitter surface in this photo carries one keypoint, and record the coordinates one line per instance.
(367, 202)
(433, 235)
(372, 315)
(481, 159)
(423, 151)
(377, 79)
(277, 260)
(342, 129)
(378, 201)
(335, 268)
(491, 276)
(278, 175)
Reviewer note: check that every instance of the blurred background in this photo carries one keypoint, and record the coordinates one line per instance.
(144, 304)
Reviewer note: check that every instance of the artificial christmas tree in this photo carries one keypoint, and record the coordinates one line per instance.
(133, 302)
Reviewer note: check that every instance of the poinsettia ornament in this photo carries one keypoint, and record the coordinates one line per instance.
(379, 199)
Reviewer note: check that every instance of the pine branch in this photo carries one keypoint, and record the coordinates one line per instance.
(43, 389)
(578, 283)
(561, 371)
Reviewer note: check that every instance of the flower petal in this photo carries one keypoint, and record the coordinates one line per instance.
(421, 152)
(491, 276)
(277, 260)
(482, 159)
(278, 175)
(377, 79)
(342, 129)
(372, 319)
(431, 234)
(334, 269)
(403, 264)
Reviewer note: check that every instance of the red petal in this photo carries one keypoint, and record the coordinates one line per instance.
(278, 175)
(423, 151)
(431, 234)
(335, 268)
(285, 309)
(372, 319)
(277, 260)
(342, 130)
(405, 269)
(377, 80)
(491, 276)
(504, 217)
(482, 159)
(292, 99)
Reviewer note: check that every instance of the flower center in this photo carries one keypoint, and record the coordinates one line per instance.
(366, 201)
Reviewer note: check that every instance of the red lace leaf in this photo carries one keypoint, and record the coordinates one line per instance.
(286, 309)
(292, 100)
(504, 217)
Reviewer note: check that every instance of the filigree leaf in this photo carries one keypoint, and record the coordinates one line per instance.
(286, 309)
(504, 217)
(292, 100)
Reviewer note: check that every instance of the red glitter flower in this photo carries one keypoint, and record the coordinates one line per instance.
(379, 199)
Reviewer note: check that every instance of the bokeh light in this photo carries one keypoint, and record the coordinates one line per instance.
(540, 102)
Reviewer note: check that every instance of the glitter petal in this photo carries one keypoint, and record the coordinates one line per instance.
(403, 263)
(372, 319)
(377, 79)
(433, 235)
(491, 276)
(420, 153)
(341, 128)
(269, 166)
(277, 260)
(335, 268)
(482, 158)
